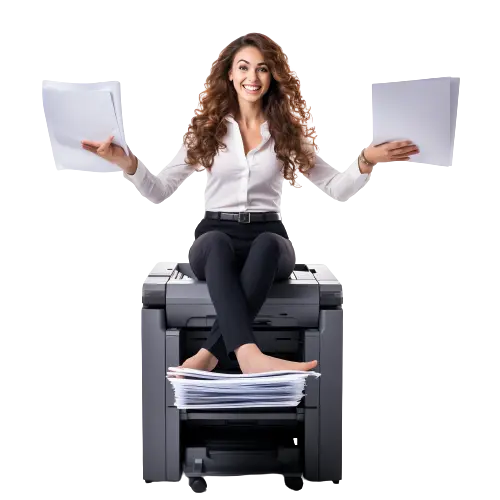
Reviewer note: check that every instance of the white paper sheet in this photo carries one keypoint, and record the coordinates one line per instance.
(216, 375)
(215, 403)
(423, 111)
(112, 86)
(202, 389)
(77, 111)
(454, 91)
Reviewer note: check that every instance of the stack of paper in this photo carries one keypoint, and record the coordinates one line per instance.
(199, 389)
(422, 111)
(78, 111)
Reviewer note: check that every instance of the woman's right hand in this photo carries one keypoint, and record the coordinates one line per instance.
(111, 152)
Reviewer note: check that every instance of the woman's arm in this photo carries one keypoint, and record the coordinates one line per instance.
(339, 185)
(159, 188)
(130, 170)
(364, 168)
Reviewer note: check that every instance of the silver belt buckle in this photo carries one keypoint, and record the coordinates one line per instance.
(245, 219)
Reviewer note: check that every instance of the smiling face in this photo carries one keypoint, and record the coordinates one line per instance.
(249, 70)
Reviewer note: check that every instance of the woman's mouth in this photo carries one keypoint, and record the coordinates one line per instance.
(252, 89)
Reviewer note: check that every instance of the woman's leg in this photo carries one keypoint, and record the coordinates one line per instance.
(258, 273)
(270, 258)
(212, 258)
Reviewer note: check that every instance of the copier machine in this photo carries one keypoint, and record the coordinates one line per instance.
(300, 320)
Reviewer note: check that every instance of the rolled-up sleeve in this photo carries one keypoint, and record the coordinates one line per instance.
(158, 188)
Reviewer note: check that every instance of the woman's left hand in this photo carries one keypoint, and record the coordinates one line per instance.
(390, 151)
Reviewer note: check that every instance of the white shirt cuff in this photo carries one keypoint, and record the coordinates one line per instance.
(355, 176)
(138, 177)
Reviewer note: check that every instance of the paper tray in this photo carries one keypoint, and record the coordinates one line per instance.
(241, 462)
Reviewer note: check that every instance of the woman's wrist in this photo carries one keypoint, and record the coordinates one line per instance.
(131, 167)
(365, 164)
(363, 167)
(367, 155)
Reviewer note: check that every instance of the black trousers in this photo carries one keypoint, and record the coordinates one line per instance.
(239, 262)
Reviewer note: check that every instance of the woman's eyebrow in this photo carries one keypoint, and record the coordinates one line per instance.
(258, 64)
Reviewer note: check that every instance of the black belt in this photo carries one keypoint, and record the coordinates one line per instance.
(244, 217)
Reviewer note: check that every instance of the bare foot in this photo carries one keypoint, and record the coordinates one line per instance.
(202, 360)
(252, 360)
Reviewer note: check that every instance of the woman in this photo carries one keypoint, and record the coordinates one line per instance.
(241, 246)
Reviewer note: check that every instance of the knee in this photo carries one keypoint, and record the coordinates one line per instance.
(268, 241)
(204, 245)
(214, 240)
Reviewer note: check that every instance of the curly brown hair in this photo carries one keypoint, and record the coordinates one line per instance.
(283, 107)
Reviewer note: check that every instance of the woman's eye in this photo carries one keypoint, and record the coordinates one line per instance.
(244, 67)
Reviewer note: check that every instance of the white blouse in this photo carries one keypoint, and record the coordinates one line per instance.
(239, 183)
